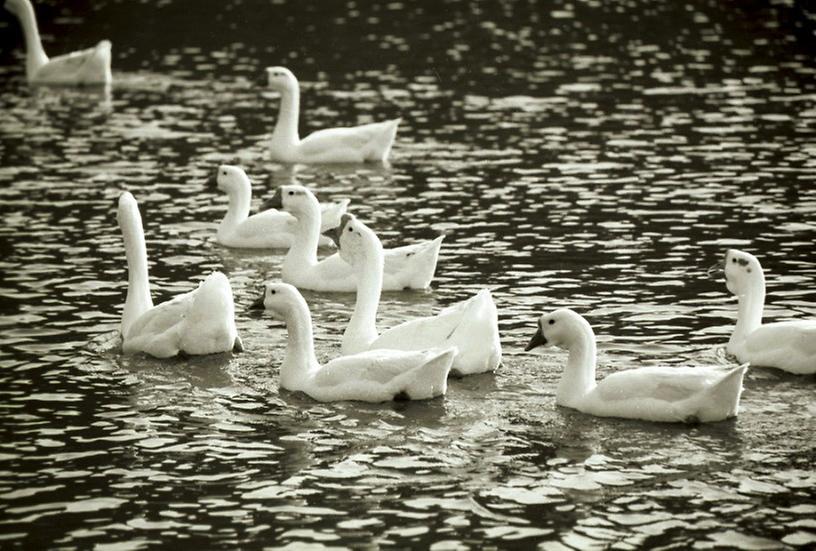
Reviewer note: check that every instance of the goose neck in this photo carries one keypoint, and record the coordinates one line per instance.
(578, 378)
(240, 199)
(361, 331)
(286, 128)
(300, 361)
(751, 305)
(303, 252)
(35, 54)
(138, 299)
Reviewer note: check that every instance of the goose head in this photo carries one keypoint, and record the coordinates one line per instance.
(281, 79)
(280, 299)
(741, 270)
(562, 328)
(294, 199)
(355, 240)
(14, 6)
(230, 178)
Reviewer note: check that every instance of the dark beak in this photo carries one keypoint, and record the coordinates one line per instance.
(258, 304)
(212, 182)
(335, 233)
(714, 269)
(538, 340)
(275, 203)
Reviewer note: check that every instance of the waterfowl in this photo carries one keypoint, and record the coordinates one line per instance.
(269, 229)
(355, 144)
(90, 66)
(375, 376)
(786, 345)
(666, 394)
(407, 267)
(471, 325)
(199, 322)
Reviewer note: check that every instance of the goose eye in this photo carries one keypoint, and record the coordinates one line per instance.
(224, 173)
(551, 322)
(291, 193)
(272, 292)
(734, 260)
(351, 230)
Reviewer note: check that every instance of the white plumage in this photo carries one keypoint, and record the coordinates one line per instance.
(376, 376)
(666, 394)
(356, 144)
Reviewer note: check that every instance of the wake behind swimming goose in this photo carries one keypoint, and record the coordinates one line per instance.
(90, 66)
(355, 144)
(406, 267)
(269, 229)
(471, 325)
(199, 322)
(665, 394)
(786, 345)
(376, 376)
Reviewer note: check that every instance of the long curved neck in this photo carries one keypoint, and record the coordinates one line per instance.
(138, 299)
(35, 55)
(751, 304)
(578, 378)
(362, 327)
(303, 252)
(240, 198)
(286, 129)
(300, 360)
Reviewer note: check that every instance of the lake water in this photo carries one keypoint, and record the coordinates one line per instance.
(593, 155)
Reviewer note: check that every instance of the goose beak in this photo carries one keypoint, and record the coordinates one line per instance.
(258, 304)
(212, 182)
(275, 203)
(335, 233)
(538, 340)
(714, 269)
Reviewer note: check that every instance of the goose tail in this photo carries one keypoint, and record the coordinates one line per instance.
(385, 140)
(727, 391)
(426, 260)
(431, 378)
(330, 215)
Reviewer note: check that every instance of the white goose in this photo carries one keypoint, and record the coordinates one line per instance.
(471, 325)
(376, 376)
(787, 345)
(90, 66)
(665, 394)
(355, 144)
(407, 267)
(269, 229)
(199, 322)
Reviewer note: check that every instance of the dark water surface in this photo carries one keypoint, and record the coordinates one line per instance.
(595, 155)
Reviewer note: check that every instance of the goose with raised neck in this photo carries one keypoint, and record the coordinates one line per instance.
(406, 267)
(89, 66)
(356, 144)
(268, 229)
(663, 394)
(376, 376)
(787, 345)
(199, 322)
(470, 325)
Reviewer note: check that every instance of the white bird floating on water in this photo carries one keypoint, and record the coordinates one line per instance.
(786, 345)
(355, 144)
(269, 229)
(471, 325)
(199, 322)
(90, 66)
(666, 394)
(375, 376)
(406, 267)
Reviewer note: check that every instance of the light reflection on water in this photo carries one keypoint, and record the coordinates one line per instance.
(587, 157)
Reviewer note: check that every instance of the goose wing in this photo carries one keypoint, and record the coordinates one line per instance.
(668, 384)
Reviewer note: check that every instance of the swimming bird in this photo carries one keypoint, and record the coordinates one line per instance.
(375, 376)
(269, 229)
(406, 267)
(471, 325)
(354, 144)
(199, 322)
(786, 345)
(90, 66)
(666, 394)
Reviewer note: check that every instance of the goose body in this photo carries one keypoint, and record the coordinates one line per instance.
(787, 345)
(471, 325)
(356, 144)
(269, 229)
(406, 267)
(664, 394)
(84, 67)
(376, 376)
(199, 322)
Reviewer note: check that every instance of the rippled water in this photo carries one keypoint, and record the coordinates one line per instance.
(587, 154)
